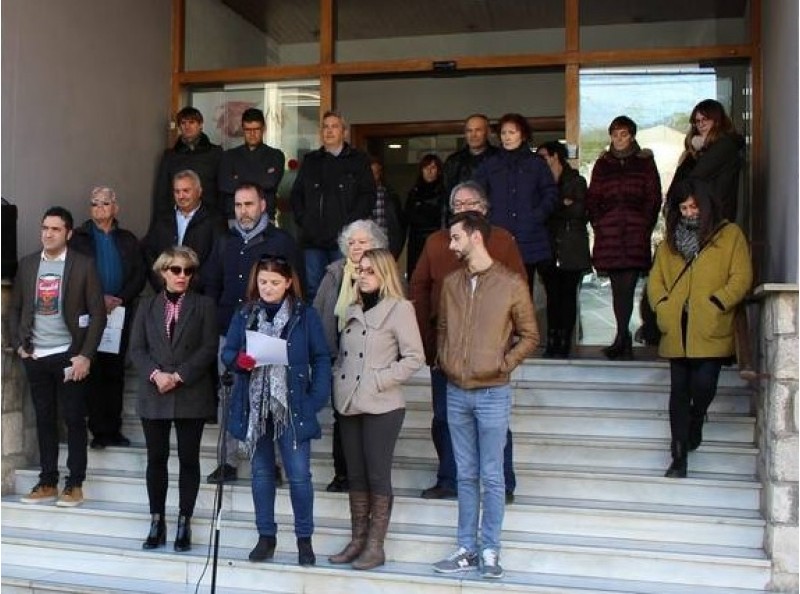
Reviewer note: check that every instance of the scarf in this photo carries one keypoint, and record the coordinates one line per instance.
(269, 391)
(632, 149)
(687, 237)
(259, 227)
(172, 311)
(347, 293)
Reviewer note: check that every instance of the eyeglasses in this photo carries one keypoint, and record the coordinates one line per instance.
(278, 259)
(98, 203)
(178, 270)
(466, 203)
(369, 271)
(701, 119)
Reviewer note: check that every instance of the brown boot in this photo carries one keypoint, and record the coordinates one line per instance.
(373, 555)
(359, 521)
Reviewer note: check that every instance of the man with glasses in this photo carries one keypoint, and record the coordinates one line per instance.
(460, 166)
(191, 223)
(226, 272)
(120, 266)
(254, 161)
(435, 263)
(56, 320)
(193, 150)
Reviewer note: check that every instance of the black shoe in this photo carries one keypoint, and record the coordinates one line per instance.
(553, 344)
(183, 537)
(278, 476)
(509, 497)
(264, 549)
(305, 553)
(98, 443)
(224, 473)
(118, 440)
(157, 537)
(621, 349)
(680, 460)
(439, 492)
(339, 484)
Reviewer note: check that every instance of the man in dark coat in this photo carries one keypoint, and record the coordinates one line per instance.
(460, 166)
(253, 162)
(120, 266)
(56, 320)
(334, 187)
(193, 150)
(388, 213)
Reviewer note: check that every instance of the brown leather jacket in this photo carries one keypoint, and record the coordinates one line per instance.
(477, 328)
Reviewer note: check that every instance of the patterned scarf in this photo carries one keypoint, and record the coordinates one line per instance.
(268, 385)
(172, 311)
(687, 237)
(347, 293)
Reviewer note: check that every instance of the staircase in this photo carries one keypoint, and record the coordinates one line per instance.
(593, 513)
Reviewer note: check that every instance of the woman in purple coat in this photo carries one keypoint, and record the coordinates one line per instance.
(623, 201)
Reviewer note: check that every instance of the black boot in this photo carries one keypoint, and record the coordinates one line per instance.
(695, 429)
(264, 549)
(621, 349)
(183, 537)
(157, 537)
(564, 344)
(305, 553)
(679, 460)
(553, 345)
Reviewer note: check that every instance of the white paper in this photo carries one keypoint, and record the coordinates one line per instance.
(112, 335)
(266, 350)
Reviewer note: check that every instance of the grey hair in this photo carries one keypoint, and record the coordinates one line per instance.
(104, 191)
(477, 191)
(188, 174)
(379, 239)
(176, 252)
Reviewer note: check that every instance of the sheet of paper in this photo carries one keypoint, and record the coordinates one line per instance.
(266, 350)
(112, 335)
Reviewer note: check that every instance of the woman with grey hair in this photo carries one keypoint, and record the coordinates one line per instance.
(336, 292)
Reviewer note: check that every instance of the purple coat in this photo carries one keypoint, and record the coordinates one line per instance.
(623, 201)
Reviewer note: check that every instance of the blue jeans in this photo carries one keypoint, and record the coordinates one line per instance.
(297, 464)
(317, 260)
(440, 433)
(478, 421)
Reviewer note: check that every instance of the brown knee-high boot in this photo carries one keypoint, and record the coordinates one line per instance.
(381, 512)
(359, 522)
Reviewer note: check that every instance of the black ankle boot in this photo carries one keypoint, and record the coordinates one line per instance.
(552, 348)
(264, 549)
(621, 348)
(183, 537)
(680, 456)
(564, 344)
(157, 537)
(305, 553)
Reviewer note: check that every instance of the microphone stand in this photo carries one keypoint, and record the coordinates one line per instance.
(226, 379)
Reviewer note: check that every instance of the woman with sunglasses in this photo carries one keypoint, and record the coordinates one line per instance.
(379, 349)
(274, 405)
(173, 346)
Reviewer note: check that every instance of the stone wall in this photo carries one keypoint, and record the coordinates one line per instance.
(19, 447)
(777, 430)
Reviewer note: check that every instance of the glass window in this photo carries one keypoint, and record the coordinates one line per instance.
(421, 28)
(241, 33)
(628, 24)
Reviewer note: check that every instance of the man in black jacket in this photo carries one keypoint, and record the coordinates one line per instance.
(334, 187)
(193, 150)
(120, 266)
(253, 162)
(460, 166)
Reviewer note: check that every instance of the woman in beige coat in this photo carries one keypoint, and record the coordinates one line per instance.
(702, 271)
(380, 347)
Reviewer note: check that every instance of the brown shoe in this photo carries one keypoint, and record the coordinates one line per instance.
(41, 493)
(71, 497)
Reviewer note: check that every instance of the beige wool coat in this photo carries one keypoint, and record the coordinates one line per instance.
(378, 350)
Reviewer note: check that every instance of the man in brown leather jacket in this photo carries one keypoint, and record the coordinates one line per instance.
(486, 327)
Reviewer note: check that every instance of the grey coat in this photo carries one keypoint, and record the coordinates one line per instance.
(325, 303)
(378, 351)
(191, 352)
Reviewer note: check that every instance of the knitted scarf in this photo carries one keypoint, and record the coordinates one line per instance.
(347, 293)
(259, 227)
(687, 237)
(268, 385)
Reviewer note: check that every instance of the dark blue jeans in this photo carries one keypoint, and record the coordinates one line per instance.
(440, 433)
(316, 261)
(48, 390)
(693, 387)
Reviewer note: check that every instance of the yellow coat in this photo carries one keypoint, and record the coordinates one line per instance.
(721, 270)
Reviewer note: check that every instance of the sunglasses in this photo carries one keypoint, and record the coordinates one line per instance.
(178, 270)
(101, 203)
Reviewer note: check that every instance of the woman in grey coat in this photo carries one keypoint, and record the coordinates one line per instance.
(173, 346)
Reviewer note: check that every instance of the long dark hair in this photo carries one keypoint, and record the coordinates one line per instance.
(714, 111)
(277, 264)
(707, 204)
(423, 163)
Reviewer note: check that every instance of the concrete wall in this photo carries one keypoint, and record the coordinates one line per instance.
(85, 100)
(780, 113)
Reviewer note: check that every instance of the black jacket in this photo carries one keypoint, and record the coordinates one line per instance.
(567, 224)
(330, 192)
(426, 212)
(462, 164)
(263, 166)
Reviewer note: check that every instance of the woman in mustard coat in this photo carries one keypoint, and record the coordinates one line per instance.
(702, 271)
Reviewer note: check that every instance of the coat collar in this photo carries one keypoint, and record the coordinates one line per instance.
(373, 318)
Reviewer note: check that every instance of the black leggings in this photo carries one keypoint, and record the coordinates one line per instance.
(561, 288)
(368, 442)
(692, 389)
(623, 289)
(156, 436)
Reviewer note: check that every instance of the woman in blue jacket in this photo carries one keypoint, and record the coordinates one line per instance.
(275, 405)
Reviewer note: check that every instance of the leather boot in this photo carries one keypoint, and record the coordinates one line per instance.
(157, 537)
(373, 554)
(264, 549)
(305, 552)
(621, 349)
(680, 455)
(564, 344)
(359, 523)
(695, 429)
(553, 344)
(183, 537)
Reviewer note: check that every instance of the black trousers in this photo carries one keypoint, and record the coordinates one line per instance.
(48, 391)
(693, 387)
(105, 389)
(561, 288)
(368, 442)
(156, 436)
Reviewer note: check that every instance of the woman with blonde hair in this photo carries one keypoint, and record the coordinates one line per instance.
(380, 348)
